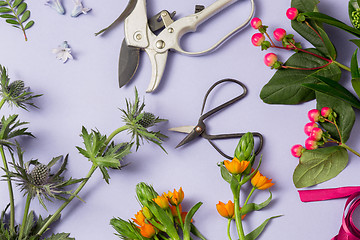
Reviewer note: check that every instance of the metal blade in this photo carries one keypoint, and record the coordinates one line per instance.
(182, 129)
(191, 136)
(128, 63)
(158, 63)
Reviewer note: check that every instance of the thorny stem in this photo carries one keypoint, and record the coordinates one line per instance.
(78, 189)
(26, 213)
(82, 184)
(11, 192)
(228, 229)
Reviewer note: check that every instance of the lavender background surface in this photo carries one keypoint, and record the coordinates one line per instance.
(84, 92)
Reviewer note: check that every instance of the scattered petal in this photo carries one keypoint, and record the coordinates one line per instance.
(79, 9)
(56, 4)
(63, 52)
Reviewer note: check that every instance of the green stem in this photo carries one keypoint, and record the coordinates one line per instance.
(349, 148)
(2, 102)
(112, 135)
(238, 218)
(11, 192)
(179, 216)
(342, 66)
(26, 213)
(75, 193)
(228, 229)
(248, 197)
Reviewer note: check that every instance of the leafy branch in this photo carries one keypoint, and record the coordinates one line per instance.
(16, 13)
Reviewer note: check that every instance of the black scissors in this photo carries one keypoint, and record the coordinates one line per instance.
(200, 129)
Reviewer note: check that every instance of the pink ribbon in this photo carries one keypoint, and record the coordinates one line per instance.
(348, 230)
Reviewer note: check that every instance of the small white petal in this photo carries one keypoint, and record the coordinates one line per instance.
(56, 4)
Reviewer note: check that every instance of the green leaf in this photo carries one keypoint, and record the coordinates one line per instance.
(250, 207)
(319, 165)
(25, 16)
(7, 16)
(334, 89)
(17, 3)
(285, 87)
(225, 173)
(332, 21)
(4, 10)
(328, 44)
(196, 232)
(60, 236)
(29, 24)
(256, 232)
(345, 116)
(356, 42)
(355, 74)
(21, 8)
(3, 3)
(187, 222)
(11, 21)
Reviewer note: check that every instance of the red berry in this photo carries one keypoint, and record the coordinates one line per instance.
(314, 115)
(310, 144)
(270, 59)
(257, 39)
(292, 13)
(309, 127)
(297, 150)
(256, 23)
(279, 34)
(316, 134)
(325, 111)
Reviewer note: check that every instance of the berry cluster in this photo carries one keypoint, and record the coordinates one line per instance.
(316, 135)
(280, 35)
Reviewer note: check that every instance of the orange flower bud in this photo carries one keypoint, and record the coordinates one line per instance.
(226, 210)
(162, 201)
(139, 218)
(147, 230)
(261, 182)
(175, 198)
(235, 166)
(173, 210)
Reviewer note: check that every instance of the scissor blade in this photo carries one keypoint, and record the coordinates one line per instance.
(128, 63)
(182, 129)
(191, 136)
(158, 63)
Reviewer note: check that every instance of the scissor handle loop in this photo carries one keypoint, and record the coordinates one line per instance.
(178, 48)
(224, 105)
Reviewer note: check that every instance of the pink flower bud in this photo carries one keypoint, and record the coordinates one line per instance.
(279, 34)
(310, 144)
(270, 59)
(257, 39)
(314, 115)
(297, 150)
(309, 127)
(316, 134)
(256, 23)
(292, 13)
(325, 111)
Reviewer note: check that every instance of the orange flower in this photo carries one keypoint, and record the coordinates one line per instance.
(162, 201)
(226, 210)
(175, 198)
(236, 166)
(173, 210)
(139, 218)
(261, 182)
(147, 230)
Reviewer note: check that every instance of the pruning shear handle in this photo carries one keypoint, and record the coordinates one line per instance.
(171, 36)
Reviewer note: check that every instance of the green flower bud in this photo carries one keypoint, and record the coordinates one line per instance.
(125, 229)
(145, 193)
(245, 147)
(40, 174)
(148, 120)
(16, 88)
(147, 213)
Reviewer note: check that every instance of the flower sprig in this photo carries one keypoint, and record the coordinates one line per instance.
(237, 173)
(15, 12)
(160, 217)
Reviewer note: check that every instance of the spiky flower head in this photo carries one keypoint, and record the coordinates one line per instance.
(14, 93)
(35, 179)
(138, 121)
